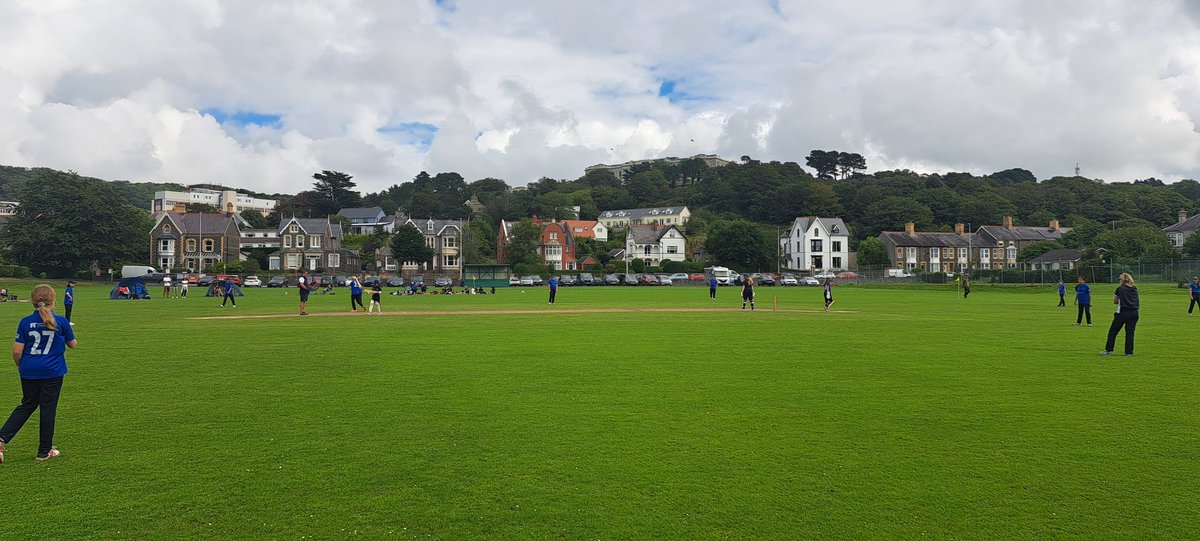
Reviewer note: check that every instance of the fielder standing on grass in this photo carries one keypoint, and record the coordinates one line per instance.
(227, 289)
(966, 285)
(553, 288)
(39, 353)
(302, 283)
(1193, 294)
(1126, 299)
(748, 292)
(828, 294)
(1062, 294)
(1083, 299)
(376, 302)
(712, 287)
(69, 299)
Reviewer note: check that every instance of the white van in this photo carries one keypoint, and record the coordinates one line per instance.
(723, 275)
(898, 273)
(136, 271)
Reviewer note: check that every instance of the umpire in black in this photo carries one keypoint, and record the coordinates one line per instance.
(1126, 299)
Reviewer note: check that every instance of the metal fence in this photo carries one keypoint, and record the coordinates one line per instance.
(1174, 271)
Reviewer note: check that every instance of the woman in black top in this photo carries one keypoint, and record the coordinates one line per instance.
(748, 293)
(1126, 299)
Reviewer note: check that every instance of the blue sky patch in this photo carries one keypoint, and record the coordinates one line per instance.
(414, 133)
(447, 5)
(244, 118)
(670, 89)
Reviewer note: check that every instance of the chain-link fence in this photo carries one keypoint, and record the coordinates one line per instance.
(1173, 271)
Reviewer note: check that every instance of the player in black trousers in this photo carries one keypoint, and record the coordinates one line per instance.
(748, 293)
(1126, 299)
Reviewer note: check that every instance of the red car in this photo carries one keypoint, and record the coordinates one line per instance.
(229, 278)
(847, 275)
(697, 277)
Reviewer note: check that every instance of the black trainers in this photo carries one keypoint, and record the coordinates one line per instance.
(54, 453)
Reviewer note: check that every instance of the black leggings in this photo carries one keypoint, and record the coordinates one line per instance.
(1195, 300)
(1125, 318)
(35, 393)
(1084, 309)
(1062, 299)
(712, 292)
(552, 292)
(70, 306)
(356, 299)
(229, 297)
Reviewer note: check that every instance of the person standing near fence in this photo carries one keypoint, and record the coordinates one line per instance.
(1062, 294)
(1126, 299)
(966, 285)
(1083, 299)
(1193, 294)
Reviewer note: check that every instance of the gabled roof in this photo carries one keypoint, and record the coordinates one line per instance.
(1066, 254)
(313, 226)
(362, 212)
(647, 234)
(1190, 224)
(835, 226)
(643, 213)
(933, 239)
(198, 223)
(1023, 232)
(431, 225)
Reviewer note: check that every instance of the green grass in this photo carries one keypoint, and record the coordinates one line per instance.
(913, 414)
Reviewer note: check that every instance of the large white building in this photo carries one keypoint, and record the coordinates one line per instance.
(655, 243)
(816, 244)
(222, 200)
(711, 160)
(620, 219)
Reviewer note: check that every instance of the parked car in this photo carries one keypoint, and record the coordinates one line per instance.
(537, 280)
(847, 275)
(664, 280)
(647, 280)
(395, 281)
(340, 281)
(898, 273)
(763, 279)
(324, 281)
(278, 281)
(697, 277)
(442, 281)
(252, 281)
(630, 279)
(527, 280)
(371, 281)
(568, 280)
(514, 280)
(810, 281)
(193, 279)
(823, 275)
(205, 281)
(682, 277)
(586, 279)
(612, 280)
(789, 280)
(227, 278)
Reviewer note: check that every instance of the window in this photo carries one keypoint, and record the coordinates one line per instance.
(293, 261)
(816, 245)
(190, 245)
(166, 228)
(837, 262)
(209, 245)
(579, 230)
(314, 241)
(299, 241)
(449, 261)
(816, 232)
(646, 250)
(554, 236)
(335, 261)
(429, 242)
(837, 245)
(164, 263)
(294, 228)
(912, 254)
(935, 253)
(985, 253)
(799, 247)
(672, 249)
(1178, 237)
(164, 246)
(1012, 252)
(449, 242)
(554, 250)
(962, 253)
(287, 241)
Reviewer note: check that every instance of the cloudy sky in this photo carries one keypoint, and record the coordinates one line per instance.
(261, 94)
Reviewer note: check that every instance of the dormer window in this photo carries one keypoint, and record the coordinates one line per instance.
(294, 228)
(166, 228)
(836, 229)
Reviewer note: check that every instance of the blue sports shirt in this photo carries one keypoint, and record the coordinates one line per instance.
(1062, 288)
(1195, 287)
(1083, 294)
(44, 356)
(553, 283)
(712, 283)
(355, 287)
(69, 298)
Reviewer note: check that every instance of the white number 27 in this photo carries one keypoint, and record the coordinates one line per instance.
(36, 348)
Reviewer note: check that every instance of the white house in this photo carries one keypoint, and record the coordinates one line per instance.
(655, 243)
(620, 219)
(368, 220)
(812, 243)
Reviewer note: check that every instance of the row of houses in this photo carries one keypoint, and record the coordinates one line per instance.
(648, 236)
(989, 247)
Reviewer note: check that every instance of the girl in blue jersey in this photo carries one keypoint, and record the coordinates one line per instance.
(1083, 299)
(828, 294)
(1193, 294)
(1062, 294)
(42, 340)
(356, 291)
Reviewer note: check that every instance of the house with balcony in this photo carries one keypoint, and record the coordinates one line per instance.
(620, 219)
(260, 238)
(588, 229)
(814, 244)
(314, 245)
(556, 246)
(933, 251)
(368, 220)
(194, 241)
(655, 243)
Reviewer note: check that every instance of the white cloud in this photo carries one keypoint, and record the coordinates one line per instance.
(545, 88)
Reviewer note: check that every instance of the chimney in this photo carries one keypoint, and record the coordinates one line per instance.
(1182, 215)
(1008, 222)
(1054, 224)
(959, 229)
(910, 228)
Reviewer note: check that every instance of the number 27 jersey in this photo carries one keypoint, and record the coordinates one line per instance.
(44, 356)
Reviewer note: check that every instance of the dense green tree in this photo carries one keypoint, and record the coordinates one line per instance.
(741, 245)
(1036, 249)
(255, 219)
(849, 163)
(637, 265)
(408, 245)
(891, 213)
(522, 244)
(872, 252)
(201, 207)
(67, 223)
(1191, 246)
(1136, 242)
(824, 162)
(336, 191)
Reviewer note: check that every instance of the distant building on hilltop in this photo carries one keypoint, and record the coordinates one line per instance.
(1182, 229)
(711, 160)
(228, 201)
(815, 244)
(368, 220)
(620, 219)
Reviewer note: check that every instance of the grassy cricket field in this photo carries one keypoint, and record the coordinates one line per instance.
(619, 413)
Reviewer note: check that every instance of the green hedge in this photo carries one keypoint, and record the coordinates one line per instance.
(15, 271)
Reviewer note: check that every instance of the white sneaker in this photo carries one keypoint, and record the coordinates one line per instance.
(72, 323)
(1, 452)
(54, 453)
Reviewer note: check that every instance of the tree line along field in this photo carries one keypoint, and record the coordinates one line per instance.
(908, 413)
